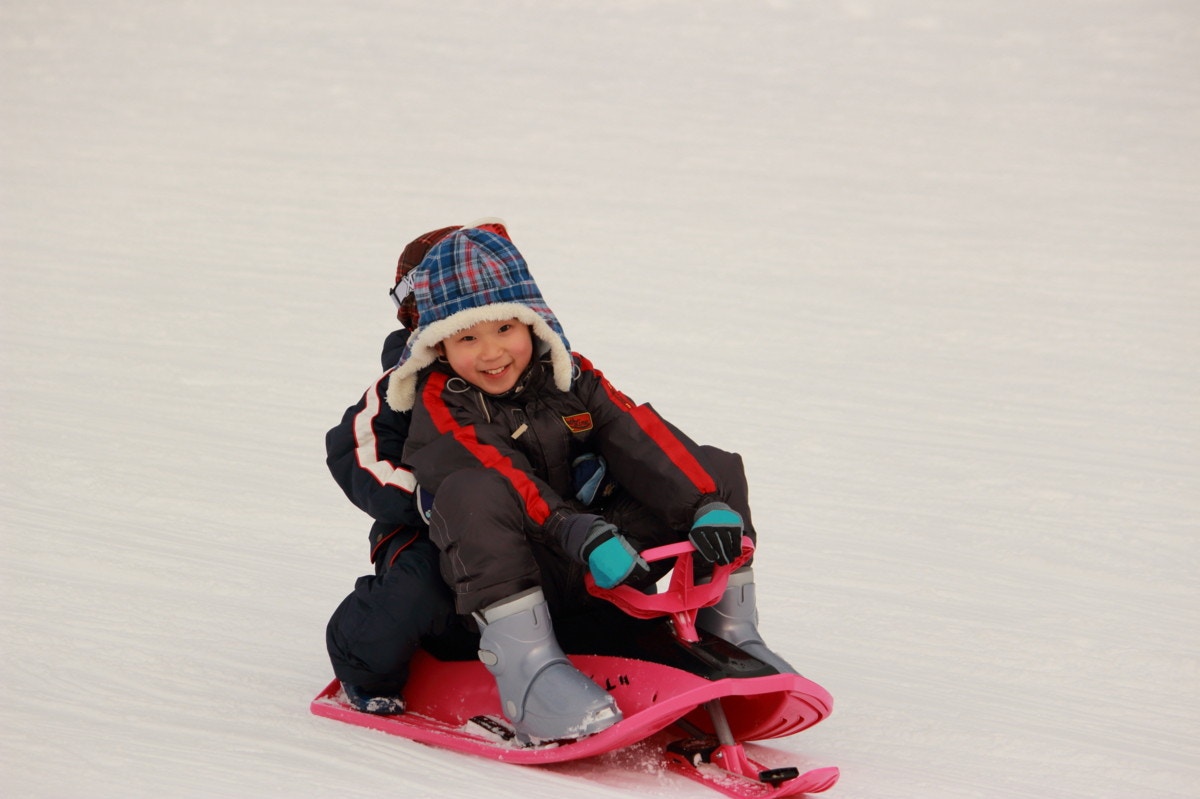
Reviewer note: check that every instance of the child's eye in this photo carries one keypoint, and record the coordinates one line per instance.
(507, 326)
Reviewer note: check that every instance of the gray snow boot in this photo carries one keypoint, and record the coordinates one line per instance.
(735, 619)
(543, 695)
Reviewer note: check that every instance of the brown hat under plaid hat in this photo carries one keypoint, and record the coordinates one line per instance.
(414, 253)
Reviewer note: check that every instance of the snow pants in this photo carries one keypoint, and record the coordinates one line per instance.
(375, 631)
(491, 550)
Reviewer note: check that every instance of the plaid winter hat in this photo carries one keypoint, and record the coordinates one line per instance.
(414, 252)
(470, 276)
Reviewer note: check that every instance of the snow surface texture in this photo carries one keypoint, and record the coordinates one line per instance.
(932, 267)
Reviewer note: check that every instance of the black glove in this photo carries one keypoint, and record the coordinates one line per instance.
(717, 533)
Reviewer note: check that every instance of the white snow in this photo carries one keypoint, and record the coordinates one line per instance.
(932, 267)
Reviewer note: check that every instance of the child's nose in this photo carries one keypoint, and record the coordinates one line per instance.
(491, 348)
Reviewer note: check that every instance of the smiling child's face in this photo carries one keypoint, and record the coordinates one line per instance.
(490, 355)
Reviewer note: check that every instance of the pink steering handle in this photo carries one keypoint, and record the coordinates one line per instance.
(683, 596)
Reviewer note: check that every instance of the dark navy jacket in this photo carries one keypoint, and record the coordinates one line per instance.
(364, 451)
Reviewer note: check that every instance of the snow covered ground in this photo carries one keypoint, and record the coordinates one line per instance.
(960, 240)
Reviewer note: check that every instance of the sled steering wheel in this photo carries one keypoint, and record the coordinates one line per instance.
(683, 596)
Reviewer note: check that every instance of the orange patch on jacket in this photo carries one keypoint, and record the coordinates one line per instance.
(579, 423)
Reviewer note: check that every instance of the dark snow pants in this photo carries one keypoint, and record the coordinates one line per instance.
(404, 606)
(490, 549)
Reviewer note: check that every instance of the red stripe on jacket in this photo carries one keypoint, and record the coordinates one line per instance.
(488, 455)
(653, 426)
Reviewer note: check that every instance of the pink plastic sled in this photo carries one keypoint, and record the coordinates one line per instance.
(710, 692)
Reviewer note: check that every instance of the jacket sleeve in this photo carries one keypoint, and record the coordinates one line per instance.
(652, 459)
(449, 436)
(364, 456)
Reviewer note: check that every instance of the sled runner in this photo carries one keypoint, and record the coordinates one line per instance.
(708, 693)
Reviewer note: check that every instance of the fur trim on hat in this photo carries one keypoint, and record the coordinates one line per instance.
(402, 383)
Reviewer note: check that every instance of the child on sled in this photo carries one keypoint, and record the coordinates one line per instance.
(540, 469)
(404, 605)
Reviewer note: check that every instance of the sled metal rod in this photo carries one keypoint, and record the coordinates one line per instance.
(691, 729)
(720, 722)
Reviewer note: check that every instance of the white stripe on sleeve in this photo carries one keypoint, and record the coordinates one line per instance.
(366, 446)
